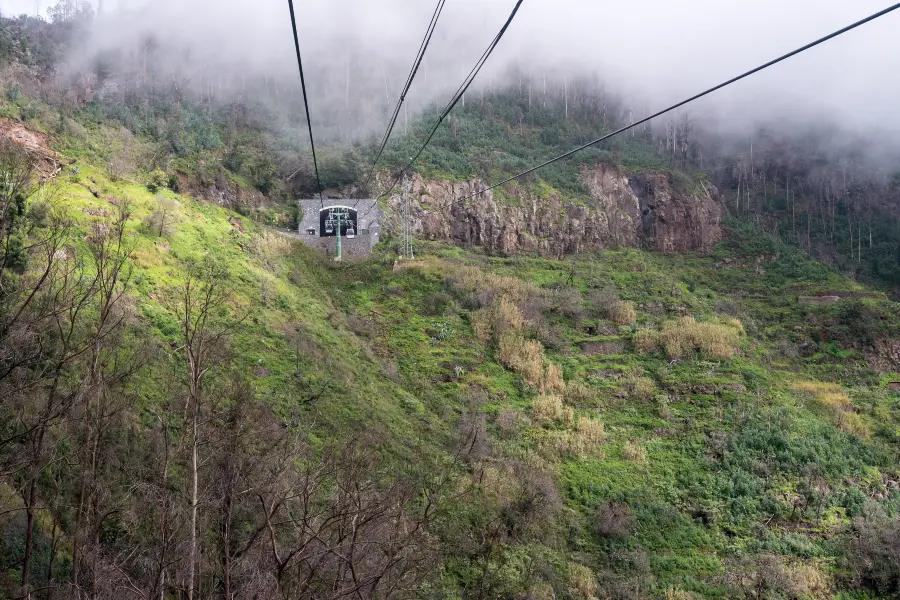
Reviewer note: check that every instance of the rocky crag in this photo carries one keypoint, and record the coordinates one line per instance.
(643, 211)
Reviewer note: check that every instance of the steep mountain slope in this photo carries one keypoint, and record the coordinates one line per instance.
(615, 424)
(543, 405)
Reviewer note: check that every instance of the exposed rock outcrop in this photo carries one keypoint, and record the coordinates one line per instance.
(217, 188)
(644, 211)
(37, 144)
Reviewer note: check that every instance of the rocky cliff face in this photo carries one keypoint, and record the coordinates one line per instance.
(217, 188)
(643, 211)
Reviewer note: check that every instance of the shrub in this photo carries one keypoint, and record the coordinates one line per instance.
(602, 300)
(525, 357)
(500, 317)
(634, 452)
(786, 349)
(591, 430)
(639, 387)
(810, 582)
(437, 304)
(645, 340)
(607, 304)
(613, 520)
(361, 326)
(157, 180)
(674, 593)
(579, 394)
(622, 313)
(770, 576)
(480, 320)
(685, 336)
(727, 307)
(551, 408)
(553, 379)
(662, 404)
(528, 497)
(585, 439)
(486, 287)
(873, 553)
(508, 423)
(567, 302)
(161, 222)
(268, 248)
(582, 583)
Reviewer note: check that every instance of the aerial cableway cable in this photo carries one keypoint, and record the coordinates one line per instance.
(683, 102)
(460, 92)
(417, 63)
(312, 142)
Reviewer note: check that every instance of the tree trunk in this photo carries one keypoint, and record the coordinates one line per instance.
(29, 535)
(195, 471)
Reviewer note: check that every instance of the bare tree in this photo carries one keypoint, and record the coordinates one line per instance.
(201, 307)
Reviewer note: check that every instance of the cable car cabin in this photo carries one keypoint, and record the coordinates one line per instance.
(349, 226)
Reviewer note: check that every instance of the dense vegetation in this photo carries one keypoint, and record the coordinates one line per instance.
(194, 405)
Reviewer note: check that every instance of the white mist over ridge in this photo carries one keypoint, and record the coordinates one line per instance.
(652, 51)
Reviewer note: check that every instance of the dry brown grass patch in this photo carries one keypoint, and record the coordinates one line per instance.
(553, 379)
(686, 336)
(634, 452)
(835, 399)
(525, 357)
(582, 582)
(550, 407)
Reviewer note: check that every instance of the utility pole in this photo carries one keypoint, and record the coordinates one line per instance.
(340, 221)
(337, 219)
(407, 225)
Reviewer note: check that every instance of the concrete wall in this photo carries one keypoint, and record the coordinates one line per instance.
(368, 216)
(359, 247)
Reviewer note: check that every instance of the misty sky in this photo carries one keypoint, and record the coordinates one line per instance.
(655, 50)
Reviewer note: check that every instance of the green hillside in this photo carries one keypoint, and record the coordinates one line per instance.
(193, 404)
(625, 424)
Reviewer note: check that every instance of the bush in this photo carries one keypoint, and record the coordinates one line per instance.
(770, 576)
(582, 583)
(606, 304)
(622, 313)
(567, 302)
(553, 379)
(548, 407)
(592, 431)
(585, 439)
(685, 336)
(674, 593)
(645, 340)
(437, 304)
(634, 452)
(786, 349)
(508, 423)
(527, 496)
(639, 387)
(501, 317)
(486, 287)
(873, 553)
(613, 520)
(157, 180)
(579, 394)
(602, 300)
(525, 357)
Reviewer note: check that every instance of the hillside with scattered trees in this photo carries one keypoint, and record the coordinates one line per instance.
(196, 405)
